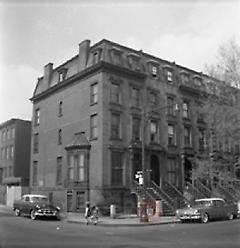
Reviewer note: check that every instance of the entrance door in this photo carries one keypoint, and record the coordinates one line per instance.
(155, 171)
(69, 201)
(137, 164)
(80, 201)
(187, 170)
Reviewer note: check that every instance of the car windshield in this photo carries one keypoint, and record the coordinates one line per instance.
(203, 203)
(39, 198)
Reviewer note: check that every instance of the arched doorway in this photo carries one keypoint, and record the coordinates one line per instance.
(155, 171)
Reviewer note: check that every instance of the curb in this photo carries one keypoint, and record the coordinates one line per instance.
(102, 223)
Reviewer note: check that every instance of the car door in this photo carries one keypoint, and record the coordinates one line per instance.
(26, 202)
(213, 210)
(220, 209)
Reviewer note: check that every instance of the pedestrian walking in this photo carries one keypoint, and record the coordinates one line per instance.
(94, 215)
(88, 213)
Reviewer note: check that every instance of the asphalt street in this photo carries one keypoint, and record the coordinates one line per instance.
(23, 232)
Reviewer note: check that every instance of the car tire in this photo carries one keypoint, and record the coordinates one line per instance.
(33, 215)
(17, 212)
(230, 216)
(204, 218)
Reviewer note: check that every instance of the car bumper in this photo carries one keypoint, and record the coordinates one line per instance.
(44, 213)
(189, 217)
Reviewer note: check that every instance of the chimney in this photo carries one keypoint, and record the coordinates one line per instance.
(84, 48)
(47, 75)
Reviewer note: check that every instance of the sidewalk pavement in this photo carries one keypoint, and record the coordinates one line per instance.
(122, 220)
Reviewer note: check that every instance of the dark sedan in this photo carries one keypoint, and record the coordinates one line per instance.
(35, 206)
(207, 209)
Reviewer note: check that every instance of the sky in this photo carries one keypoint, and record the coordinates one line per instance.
(36, 32)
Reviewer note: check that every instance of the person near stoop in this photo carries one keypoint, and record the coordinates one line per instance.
(94, 215)
(88, 213)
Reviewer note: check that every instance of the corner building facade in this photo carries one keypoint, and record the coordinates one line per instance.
(90, 115)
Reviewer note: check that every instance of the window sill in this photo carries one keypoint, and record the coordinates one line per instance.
(93, 139)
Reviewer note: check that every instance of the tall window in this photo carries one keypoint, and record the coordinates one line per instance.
(3, 135)
(3, 153)
(60, 136)
(115, 93)
(8, 134)
(201, 139)
(170, 105)
(76, 169)
(186, 109)
(171, 135)
(135, 97)
(117, 169)
(153, 131)
(36, 143)
(13, 132)
(93, 126)
(37, 117)
(60, 109)
(59, 171)
(171, 171)
(94, 93)
(136, 124)
(34, 173)
(11, 151)
(71, 167)
(115, 126)
(80, 168)
(153, 99)
(1, 175)
(187, 136)
(7, 152)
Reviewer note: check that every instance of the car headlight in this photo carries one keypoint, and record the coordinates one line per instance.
(58, 208)
(37, 207)
(196, 212)
(177, 212)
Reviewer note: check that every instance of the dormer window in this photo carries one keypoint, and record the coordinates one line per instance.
(62, 74)
(154, 71)
(116, 55)
(197, 80)
(185, 77)
(153, 67)
(168, 71)
(169, 76)
(96, 55)
(134, 61)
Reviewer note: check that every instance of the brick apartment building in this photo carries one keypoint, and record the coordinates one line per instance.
(87, 118)
(15, 139)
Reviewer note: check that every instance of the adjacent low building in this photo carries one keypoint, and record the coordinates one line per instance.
(15, 140)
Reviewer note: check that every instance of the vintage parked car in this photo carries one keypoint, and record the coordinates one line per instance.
(208, 209)
(35, 206)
